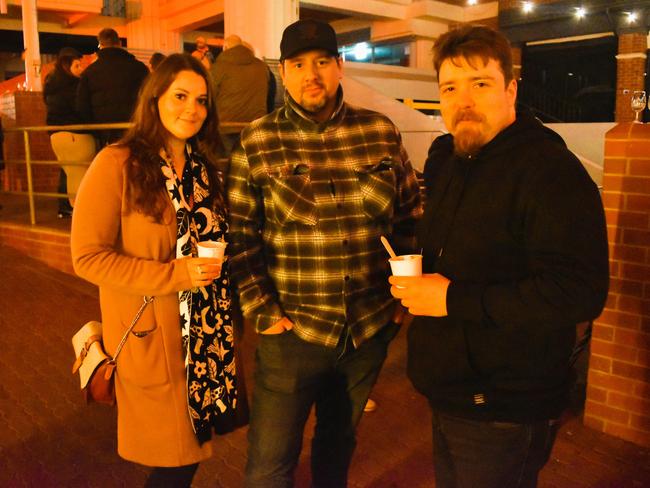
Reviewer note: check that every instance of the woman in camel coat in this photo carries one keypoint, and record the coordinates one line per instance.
(142, 207)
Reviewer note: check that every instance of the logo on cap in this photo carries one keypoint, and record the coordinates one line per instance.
(309, 32)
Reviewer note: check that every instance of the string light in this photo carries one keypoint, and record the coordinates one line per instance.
(579, 12)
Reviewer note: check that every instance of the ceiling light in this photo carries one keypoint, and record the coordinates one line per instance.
(631, 17)
(361, 51)
(580, 12)
(472, 2)
(527, 7)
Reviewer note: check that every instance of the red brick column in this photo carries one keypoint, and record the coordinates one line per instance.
(630, 72)
(618, 385)
(27, 109)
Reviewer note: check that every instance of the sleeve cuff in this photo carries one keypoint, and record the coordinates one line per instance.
(265, 316)
(465, 301)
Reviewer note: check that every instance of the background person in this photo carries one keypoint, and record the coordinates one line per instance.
(241, 85)
(311, 189)
(59, 94)
(203, 53)
(142, 208)
(515, 256)
(108, 88)
(155, 59)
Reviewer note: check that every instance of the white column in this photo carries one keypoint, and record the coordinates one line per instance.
(32, 46)
(421, 55)
(147, 32)
(260, 23)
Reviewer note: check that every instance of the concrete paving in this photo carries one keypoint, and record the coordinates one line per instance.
(50, 438)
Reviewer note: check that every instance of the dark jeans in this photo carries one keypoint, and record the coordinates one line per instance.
(292, 375)
(64, 203)
(476, 454)
(177, 477)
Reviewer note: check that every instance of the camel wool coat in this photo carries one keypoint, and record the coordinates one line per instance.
(129, 256)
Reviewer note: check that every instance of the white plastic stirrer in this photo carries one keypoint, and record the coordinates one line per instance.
(388, 247)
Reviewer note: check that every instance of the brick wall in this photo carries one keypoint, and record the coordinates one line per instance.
(630, 72)
(20, 109)
(52, 247)
(618, 391)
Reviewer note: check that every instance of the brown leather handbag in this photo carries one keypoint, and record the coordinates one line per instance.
(96, 368)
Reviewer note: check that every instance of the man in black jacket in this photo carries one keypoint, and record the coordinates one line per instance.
(108, 88)
(515, 255)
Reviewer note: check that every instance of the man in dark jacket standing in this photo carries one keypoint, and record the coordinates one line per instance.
(515, 255)
(108, 88)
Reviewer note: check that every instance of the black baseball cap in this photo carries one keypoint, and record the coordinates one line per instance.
(304, 35)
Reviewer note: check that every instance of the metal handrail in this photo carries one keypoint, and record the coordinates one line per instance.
(70, 127)
(94, 127)
(409, 102)
(28, 162)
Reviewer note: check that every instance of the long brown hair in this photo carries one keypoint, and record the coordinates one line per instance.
(64, 60)
(146, 184)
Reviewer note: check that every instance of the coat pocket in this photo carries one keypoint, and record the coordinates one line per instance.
(142, 361)
(377, 184)
(293, 198)
(438, 355)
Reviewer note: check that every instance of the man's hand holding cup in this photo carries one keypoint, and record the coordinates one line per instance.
(420, 294)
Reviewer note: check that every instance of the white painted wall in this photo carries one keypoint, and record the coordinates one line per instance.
(395, 81)
(417, 129)
(587, 142)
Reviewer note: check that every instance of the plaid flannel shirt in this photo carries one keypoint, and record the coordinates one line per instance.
(308, 202)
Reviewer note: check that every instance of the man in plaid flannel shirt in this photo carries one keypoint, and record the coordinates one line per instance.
(311, 190)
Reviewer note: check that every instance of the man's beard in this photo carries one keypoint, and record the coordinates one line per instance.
(468, 140)
(315, 106)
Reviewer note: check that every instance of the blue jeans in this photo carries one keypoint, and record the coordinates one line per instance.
(477, 454)
(292, 375)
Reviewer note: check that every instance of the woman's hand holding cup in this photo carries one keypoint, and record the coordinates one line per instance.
(203, 271)
(207, 267)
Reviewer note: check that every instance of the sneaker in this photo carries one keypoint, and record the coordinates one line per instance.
(371, 405)
(64, 213)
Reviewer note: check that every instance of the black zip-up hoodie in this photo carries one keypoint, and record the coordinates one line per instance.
(519, 230)
(59, 93)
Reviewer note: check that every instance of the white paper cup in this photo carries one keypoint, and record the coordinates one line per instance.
(406, 265)
(211, 249)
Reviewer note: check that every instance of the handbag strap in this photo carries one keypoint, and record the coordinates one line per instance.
(147, 301)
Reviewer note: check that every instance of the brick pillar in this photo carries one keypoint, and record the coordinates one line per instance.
(618, 385)
(23, 109)
(630, 72)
